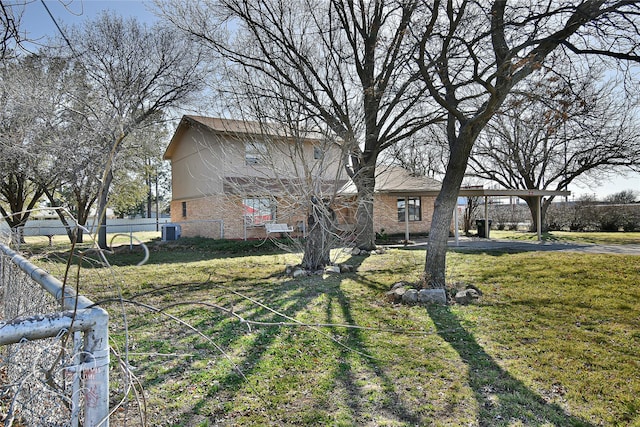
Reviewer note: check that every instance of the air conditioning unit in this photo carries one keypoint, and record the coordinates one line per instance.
(171, 232)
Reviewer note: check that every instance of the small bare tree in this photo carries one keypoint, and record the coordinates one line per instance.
(470, 213)
(296, 164)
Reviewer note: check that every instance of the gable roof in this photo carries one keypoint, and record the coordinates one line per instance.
(394, 179)
(232, 127)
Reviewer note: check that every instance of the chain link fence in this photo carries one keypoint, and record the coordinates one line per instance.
(54, 353)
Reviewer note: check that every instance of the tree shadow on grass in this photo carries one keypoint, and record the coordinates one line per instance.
(393, 406)
(290, 297)
(502, 399)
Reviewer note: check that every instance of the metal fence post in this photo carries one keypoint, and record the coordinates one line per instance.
(96, 371)
(81, 315)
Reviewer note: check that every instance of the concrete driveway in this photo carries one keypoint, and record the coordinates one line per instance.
(479, 244)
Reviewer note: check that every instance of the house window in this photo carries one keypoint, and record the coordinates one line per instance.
(258, 210)
(414, 206)
(254, 152)
(184, 209)
(317, 153)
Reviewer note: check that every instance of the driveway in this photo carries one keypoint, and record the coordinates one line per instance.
(478, 244)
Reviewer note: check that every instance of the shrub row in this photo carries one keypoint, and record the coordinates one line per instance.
(583, 216)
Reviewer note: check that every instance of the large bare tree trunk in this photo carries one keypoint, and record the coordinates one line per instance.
(365, 234)
(446, 202)
(365, 182)
(317, 250)
(533, 208)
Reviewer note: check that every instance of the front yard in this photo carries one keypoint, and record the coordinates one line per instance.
(224, 338)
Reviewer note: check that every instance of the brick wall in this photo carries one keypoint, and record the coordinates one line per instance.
(202, 213)
(385, 215)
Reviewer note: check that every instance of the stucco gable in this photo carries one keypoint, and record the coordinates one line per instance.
(232, 127)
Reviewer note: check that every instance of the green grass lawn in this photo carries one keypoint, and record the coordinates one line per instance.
(602, 238)
(554, 340)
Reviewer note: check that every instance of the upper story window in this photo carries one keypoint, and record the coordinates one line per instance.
(254, 152)
(413, 204)
(317, 153)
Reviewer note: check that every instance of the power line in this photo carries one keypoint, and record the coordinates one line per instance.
(57, 26)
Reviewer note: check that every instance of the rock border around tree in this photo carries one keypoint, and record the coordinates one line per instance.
(408, 294)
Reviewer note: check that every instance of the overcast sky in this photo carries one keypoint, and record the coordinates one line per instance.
(38, 25)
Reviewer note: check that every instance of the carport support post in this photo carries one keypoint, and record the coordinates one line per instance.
(406, 219)
(486, 217)
(539, 219)
(456, 232)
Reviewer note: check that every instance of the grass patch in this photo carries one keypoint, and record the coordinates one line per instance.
(553, 341)
(601, 238)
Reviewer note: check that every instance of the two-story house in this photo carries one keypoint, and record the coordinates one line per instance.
(230, 178)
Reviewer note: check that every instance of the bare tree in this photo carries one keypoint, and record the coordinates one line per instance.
(10, 17)
(76, 185)
(135, 73)
(423, 154)
(292, 174)
(474, 54)
(349, 64)
(556, 131)
(623, 197)
(470, 213)
(30, 131)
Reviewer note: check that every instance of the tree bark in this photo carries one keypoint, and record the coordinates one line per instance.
(531, 203)
(318, 245)
(365, 181)
(73, 233)
(102, 209)
(446, 202)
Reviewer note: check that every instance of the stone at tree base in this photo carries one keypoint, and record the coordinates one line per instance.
(462, 297)
(298, 272)
(395, 294)
(474, 294)
(346, 268)
(466, 296)
(332, 269)
(410, 296)
(355, 251)
(399, 285)
(432, 296)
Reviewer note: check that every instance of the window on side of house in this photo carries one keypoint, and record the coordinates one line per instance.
(413, 204)
(258, 210)
(317, 153)
(254, 152)
(184, 209)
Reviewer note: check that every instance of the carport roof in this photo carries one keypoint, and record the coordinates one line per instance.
(397, 180)
(478, 192)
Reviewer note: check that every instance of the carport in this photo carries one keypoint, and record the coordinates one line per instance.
(486, 193)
